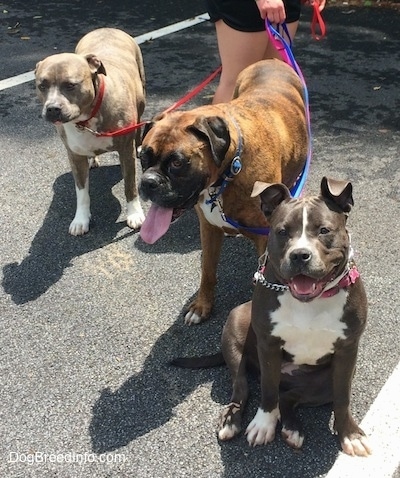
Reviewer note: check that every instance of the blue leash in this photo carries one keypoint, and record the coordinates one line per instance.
(286, 53)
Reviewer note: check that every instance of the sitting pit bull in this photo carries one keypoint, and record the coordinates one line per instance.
(210, 158)
(99, 88)
(302, 328)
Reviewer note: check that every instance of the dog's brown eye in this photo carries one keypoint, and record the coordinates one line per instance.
(282, 232)
(176, 163)
(70, 86)
(42, 87)
(324, 230)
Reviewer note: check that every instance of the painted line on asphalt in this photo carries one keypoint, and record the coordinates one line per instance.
(176, 27)
(382, 425)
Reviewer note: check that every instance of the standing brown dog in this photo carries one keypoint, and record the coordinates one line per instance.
(210, 158)
(100, 88)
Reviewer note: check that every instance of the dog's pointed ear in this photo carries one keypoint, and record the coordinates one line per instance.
(95, 64)
(339, 192)
(271, 195)
(216, 132)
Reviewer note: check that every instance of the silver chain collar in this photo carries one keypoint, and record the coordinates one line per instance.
(259, 278)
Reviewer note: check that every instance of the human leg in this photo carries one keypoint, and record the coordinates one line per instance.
(237, 50)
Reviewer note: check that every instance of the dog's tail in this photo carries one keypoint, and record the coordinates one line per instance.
(207, 361)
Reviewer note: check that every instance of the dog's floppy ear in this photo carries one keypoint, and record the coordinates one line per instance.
(147, 128)
(271, 195)
(339, 192)
(150, 124)
(215, 130)
(96, 66)
(37, 66)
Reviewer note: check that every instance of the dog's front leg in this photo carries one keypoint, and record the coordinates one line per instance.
(211, 243)
(261, 429)
(352, 439)
(127, 157)
(80, 171)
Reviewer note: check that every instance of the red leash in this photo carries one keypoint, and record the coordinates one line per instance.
(317, 22)
(135, 126)
(195, 91)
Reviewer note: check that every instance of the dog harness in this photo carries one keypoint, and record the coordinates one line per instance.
(215, 191)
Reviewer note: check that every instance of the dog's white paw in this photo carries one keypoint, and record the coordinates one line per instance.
(228, 432)
(261, 429)
(230, 421)
(293, 438)
(94, 162)
(79, 226)
(191, 318)
(135, 215)
(357, 446)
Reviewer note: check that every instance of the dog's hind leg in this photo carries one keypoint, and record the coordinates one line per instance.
(127, 156)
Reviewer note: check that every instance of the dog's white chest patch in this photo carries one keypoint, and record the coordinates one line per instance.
(309, 330)
(86, 143)
(212, 211)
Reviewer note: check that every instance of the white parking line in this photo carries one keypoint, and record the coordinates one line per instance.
(16, 80)
(29, 76)
(382, 425)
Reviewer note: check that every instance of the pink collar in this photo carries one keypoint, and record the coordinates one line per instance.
(349, 278)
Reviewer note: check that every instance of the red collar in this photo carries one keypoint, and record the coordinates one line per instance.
(98, 100)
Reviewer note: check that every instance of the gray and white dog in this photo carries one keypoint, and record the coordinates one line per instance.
(100, 88)
(302, 328)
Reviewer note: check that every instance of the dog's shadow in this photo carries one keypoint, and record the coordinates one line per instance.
(53, 248)
(147, 399)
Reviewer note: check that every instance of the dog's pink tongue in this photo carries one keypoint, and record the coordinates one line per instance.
(303, 285)
(156, 224)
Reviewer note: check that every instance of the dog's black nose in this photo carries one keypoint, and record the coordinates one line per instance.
(53, 113)
(300, 256)
(149, 184)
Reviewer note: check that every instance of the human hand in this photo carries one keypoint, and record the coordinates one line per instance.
(273, 10)
(321, 4)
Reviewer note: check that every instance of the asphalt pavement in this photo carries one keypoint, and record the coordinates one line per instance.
(89, 324)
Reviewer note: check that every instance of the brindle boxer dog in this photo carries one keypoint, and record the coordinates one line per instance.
(302, 329)
(100, 87)
(187, 155)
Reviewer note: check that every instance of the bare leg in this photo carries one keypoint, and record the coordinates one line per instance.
(239, 50)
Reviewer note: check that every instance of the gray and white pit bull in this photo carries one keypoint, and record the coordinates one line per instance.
(302, 328)
(99, 88)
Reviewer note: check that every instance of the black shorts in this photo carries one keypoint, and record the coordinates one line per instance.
(244, 15)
